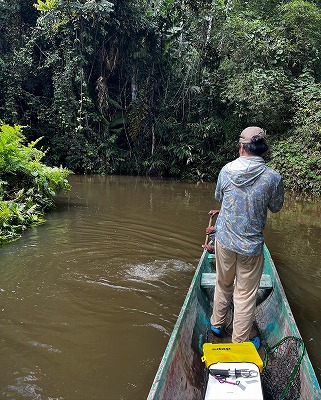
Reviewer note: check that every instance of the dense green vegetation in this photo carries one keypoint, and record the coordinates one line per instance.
(27, 186)
(164, 87)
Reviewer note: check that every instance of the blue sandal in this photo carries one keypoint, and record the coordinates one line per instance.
(216, 331)
(256, 341)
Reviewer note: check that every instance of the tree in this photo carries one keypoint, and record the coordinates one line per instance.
(161, 87)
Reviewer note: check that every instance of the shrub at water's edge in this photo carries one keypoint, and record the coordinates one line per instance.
(27, 186)
(298, 155)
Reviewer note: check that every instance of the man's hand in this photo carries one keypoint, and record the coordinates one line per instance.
(213, 212)
(209, 230)
(209, 248)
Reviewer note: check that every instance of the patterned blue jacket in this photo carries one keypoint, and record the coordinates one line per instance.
(247, 188)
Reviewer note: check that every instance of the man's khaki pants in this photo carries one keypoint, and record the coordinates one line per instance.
(247, 271)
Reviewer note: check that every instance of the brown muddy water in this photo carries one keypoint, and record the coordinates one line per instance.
(88, 299)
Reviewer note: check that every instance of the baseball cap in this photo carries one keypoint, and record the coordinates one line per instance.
(248, 133)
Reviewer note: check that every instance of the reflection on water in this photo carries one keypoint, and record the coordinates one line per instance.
(89, 299)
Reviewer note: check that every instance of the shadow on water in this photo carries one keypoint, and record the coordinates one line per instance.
(89, 299)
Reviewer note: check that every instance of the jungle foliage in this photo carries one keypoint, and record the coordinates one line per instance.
(27, 186)
(164, 87)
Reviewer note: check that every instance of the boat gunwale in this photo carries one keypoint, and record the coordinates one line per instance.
(177, 328)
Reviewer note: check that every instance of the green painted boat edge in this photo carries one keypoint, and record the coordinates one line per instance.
(306, 370)
(165, 361)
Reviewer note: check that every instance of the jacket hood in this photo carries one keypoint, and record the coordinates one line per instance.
(244, 171)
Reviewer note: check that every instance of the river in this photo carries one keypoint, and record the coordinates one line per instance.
(89, 298)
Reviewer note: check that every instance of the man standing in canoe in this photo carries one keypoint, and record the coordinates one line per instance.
(247, 188)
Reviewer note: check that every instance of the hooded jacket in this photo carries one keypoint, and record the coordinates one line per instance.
(247, 188)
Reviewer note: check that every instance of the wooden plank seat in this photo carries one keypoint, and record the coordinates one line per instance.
(208, 280)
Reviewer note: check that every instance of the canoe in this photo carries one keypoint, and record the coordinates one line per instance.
(287, 371)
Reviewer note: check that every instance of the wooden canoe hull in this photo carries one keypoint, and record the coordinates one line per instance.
(181, 371)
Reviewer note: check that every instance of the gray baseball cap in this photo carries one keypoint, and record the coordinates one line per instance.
(248, 133)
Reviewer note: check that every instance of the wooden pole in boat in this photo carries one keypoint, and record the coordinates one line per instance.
(209, 224)
(212, 213)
